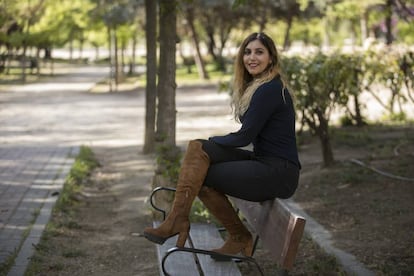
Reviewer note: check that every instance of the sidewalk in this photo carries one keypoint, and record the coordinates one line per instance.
(34, 160)
(31, 178)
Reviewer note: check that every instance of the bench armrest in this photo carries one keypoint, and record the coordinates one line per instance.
(151, 197)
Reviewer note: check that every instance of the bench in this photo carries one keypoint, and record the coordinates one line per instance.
(279, 229)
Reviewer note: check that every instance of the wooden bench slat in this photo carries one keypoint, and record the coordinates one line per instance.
(277, 226)
(206, 236)
(178, 263)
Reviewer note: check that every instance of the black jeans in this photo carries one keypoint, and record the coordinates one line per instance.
(238, 173)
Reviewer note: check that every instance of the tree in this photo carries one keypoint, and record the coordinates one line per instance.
(287, 10)
(21, 17)
(319, 85)
(151, 76)
(117, 15)
(356, 13)
(189, 16)
(218, 19)
(166, 116)
(353, 64)
(384, 68)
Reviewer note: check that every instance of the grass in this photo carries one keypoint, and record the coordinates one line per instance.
(183, 77)
(7, 265)
(62, 218)
(186, 78)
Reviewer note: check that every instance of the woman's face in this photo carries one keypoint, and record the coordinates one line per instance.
(256, 57)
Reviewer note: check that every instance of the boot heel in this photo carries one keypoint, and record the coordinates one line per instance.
(248, 249)
(182, 237)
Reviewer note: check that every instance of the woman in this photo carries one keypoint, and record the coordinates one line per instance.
(214, 168)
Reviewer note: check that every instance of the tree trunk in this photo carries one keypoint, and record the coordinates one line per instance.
(38, 62)
(211, 44)
(198, 58)
(326, 36)
(111, 66)
(323, 132)
(134, 53)
(151, 77)
(364, 27)
(123, 49)
(24, 57)
(388, 24)
(321, 128)
(81, 42)
(71, 49)
(96, 53)
(358, 116)
(286, 43)
(23, 62)
(212, 48)
(263, 18)
(116, 60)
(166, 119)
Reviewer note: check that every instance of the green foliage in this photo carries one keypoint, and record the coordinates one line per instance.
(238, 3)
(396, 117)
(318, 82)
(168, 161)
(322, 83)
(199, 213)
(385, 68)
(73, 253)
(347, 136)
(7, 263)
(84, 163)
(406, 32)
(346, 121)
(118, 15)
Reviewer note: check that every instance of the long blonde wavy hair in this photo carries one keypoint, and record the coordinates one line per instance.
(244, 85)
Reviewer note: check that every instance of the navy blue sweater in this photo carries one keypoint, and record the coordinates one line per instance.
(268, 123)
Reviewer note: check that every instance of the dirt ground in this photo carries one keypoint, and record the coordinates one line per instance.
(101, 236)
(366, 206)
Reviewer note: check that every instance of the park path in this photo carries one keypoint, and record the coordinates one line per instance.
(42, 126)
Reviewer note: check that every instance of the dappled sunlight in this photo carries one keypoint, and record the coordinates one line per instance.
(203, 112)
(50, 86)
(46, 187)
(15, 227)
(141, 199)
(136, 165)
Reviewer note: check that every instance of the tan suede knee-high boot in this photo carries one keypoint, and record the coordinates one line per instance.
(240, 240)
(192, 173)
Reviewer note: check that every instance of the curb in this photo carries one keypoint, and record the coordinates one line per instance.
(323, 238)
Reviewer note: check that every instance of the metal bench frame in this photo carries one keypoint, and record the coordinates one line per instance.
(236, 258)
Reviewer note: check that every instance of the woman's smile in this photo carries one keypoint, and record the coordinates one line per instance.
(256, 58)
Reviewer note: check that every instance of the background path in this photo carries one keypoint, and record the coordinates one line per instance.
(42, 126)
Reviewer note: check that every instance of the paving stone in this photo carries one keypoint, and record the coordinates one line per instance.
(35, 160)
